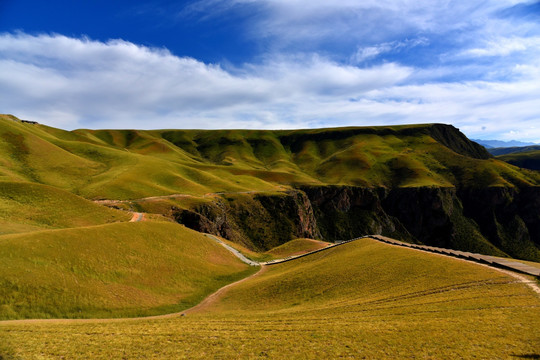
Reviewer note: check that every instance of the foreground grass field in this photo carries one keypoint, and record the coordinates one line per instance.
(360, 300)
(115, 270)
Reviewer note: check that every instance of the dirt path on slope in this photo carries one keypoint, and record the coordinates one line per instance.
(137, 216)
(215, 297)
(209, 300)
(178, 196)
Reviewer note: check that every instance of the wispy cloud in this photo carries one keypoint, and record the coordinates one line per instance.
(505, 46)
(370, 52)
(70, 83)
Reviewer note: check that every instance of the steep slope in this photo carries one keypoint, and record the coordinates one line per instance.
(527, 159)
(425, 183)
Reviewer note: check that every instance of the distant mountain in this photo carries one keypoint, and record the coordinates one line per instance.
(488, 144)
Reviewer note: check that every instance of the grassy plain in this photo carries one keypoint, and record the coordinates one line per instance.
(360, 300)
(114, 270)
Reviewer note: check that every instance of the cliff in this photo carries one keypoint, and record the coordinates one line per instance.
(495, 221)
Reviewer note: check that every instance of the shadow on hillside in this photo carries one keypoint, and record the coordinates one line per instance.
(528, 356)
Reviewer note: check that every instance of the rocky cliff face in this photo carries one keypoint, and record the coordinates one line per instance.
(493, 221)
(487, 220)
(258, 221)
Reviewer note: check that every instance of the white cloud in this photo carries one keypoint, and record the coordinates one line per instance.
(70, 83)
(369, 52)
(95, 81)
(293, 23)
(505, 46)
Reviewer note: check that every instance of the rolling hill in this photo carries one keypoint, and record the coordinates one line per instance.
(68, 251)
(30, 206)
(513, 150)
(99, 163)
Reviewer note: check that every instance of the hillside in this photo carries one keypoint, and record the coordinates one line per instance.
(114, 270)
(513, 150)
(260, 188)
(28, 207)
(524, 159)
(99, 163)
(392, 303)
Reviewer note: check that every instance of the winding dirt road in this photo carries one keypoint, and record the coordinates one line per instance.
(137, 216)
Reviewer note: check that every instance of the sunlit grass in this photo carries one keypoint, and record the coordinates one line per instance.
(131, 164)
(297, 247)
(360, 300)
(123, 269)
(29, 207)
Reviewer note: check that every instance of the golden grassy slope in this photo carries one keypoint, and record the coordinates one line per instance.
(297, 247)
(360, 300)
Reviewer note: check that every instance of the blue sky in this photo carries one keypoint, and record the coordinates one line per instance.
(273, 64)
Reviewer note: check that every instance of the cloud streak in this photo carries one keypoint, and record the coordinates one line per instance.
(69, 83)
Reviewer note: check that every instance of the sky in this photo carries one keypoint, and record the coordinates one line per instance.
(273, 64)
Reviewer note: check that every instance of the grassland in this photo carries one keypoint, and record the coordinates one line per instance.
(360, 300)
(114, 270)
(297, 247)
(30, 207)
(527, 160)
(290, 248)
(64, 256)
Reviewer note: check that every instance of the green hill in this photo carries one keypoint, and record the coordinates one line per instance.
(513, 150)
(129, 164)
(114, 270)
(262, 188)
(526, 159)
